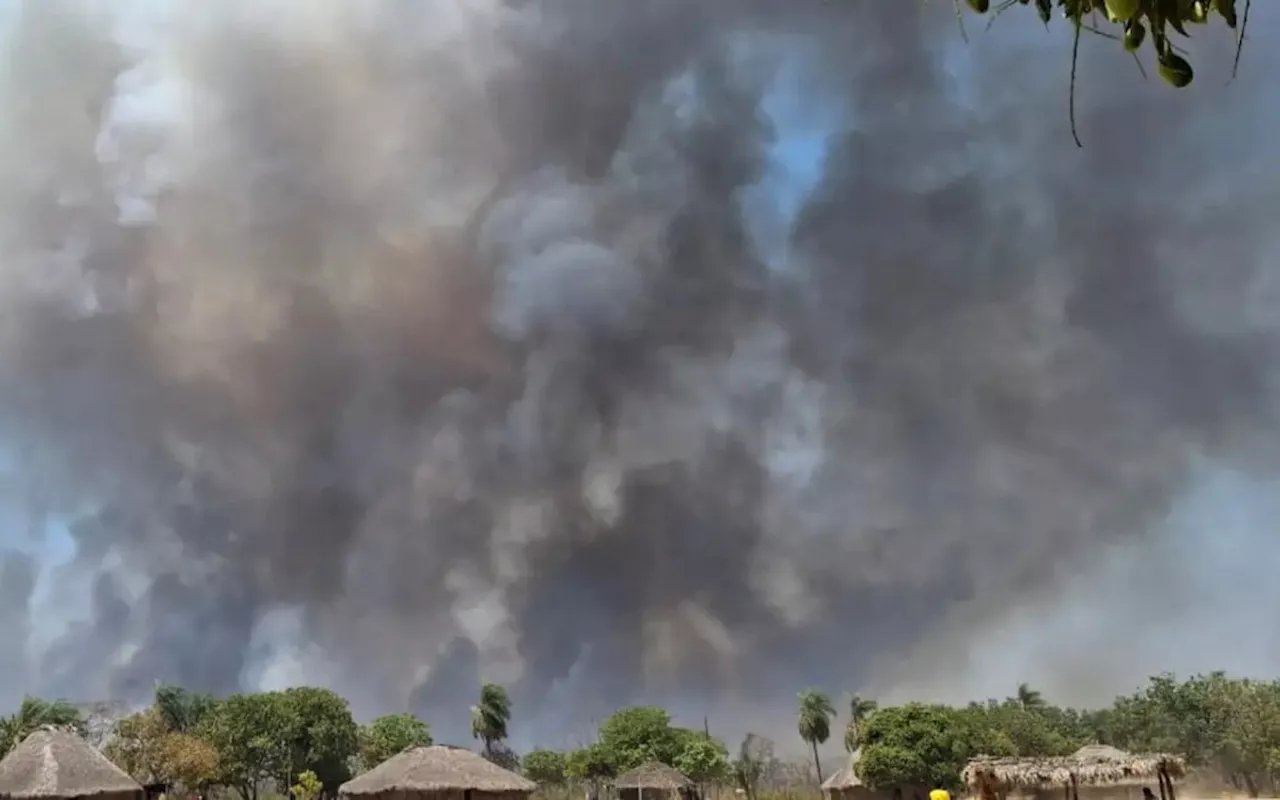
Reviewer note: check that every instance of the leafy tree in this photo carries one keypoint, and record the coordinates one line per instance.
(1199, 718)
(189, 761)
(490, 717)
(146, 748)
(859, 709)
(888, 765)
(250, 734)
(814, 722)
(1136, 18)
(1011, 728)
(633, 736)
(591, 763)
(33, 714)
(1218, 723)
(1139, 24)
(701, 757)
(139, 746)
(916, 744)
(545, 766)
(308, 786)
(320, 734)
(389, 735)
(1250, 743)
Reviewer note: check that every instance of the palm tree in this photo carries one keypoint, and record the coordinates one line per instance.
(814, 722)
(1029, 698)
(490, 716)
(35, 713)
(859, 709)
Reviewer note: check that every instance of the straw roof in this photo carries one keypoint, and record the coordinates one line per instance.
(1092, 765)
(1103, 765)
(653, 775)
(55, 763)
(1100, 752)
(842, 780)
(847, 777)
(436, 769)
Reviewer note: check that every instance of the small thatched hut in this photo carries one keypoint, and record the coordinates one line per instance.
(846, 785)
(55, 764)
(1096, 772)
(652, 781)
(438, 773)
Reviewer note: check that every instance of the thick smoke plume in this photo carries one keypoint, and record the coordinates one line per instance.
(387, 346)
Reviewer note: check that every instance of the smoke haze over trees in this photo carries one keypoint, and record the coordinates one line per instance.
(399, 347)
(1224, 728)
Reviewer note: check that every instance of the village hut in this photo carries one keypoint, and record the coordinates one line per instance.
(845, 784)
(438, 773)
(56, 764)
(152, 787)
(652, 781)
(1095, 772)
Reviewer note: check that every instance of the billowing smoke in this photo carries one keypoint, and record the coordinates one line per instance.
(389, 346)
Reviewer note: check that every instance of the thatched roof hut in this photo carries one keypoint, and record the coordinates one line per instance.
(438, 773)
(1092, 766)
(653, 775)
(841, 780)
(844, 779)
(845, 784)
(1100, 752)
(55, 764)
(655, 780)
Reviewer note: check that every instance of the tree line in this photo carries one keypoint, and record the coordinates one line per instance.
(305, 739)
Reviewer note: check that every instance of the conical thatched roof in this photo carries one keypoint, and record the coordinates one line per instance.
(847, 777)
(1091, 765)
(1016, 773)
(1101, 764)
(1100, 752)
(653, 775)
(53, 763)
(435, 769)
(844, 778)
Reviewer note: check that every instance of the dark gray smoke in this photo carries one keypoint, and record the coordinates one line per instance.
(389, 346)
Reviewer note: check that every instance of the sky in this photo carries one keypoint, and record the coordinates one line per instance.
(1218, 534)
(1220, 555)
(797, 156)
(1217, 545)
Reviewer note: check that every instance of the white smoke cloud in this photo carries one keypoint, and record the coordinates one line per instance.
(361, 345)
